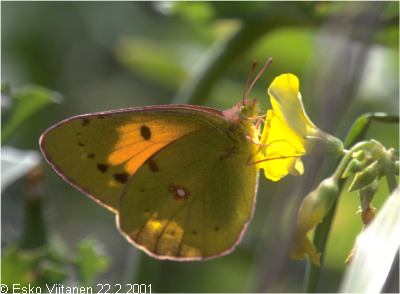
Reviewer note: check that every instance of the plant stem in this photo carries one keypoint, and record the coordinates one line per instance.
(323, 229)
(348, 156)
(34, 232)
(214, 65)
(391, 181)
(320, 239)
(390, 177)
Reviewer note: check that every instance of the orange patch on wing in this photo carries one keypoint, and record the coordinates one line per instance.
(133, 150)
(137, 161)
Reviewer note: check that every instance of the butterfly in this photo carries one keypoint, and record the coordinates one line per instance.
(179, 178)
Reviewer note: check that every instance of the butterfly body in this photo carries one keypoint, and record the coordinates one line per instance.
(177, 177)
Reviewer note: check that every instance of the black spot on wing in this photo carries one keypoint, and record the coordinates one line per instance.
(145, 132)
(152, 165)
(122, 177)
(80, 144)
(90, 155)
(102, 167)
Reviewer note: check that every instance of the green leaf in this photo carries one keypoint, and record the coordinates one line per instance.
(375, 250)
(5, 88)
(361, 124)
(30, 267)
(52, 273)
(154, 60)
(199, 12)
(25, 103)
(91, 261)
(18, 266)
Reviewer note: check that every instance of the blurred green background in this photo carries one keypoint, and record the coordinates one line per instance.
(108, 55)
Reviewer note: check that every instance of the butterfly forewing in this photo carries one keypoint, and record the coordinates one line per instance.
(97, 153)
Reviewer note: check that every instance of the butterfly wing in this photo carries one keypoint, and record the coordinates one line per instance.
(97, 153)
(194, 201)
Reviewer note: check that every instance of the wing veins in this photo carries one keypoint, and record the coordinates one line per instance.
(184, 231)
(165, 227)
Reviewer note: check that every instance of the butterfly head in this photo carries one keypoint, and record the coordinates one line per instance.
(248, 109)
(242, 111)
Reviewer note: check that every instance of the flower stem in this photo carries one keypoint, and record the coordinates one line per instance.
(34, 231)
(391, 181)
(214, 65)
(320, 239)
(323, 229)
(221, 56)
(348, 156)
(390, 177)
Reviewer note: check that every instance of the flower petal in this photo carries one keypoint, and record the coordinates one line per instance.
(279, 150)
(288, 133)
(287, 105)
(301, 247)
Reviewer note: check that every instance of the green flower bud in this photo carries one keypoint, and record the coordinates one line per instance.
(312, 210)
(303, 246)
(366, 176)
(325, 143)
(354, 166)
(317, 204)
(360, 155)
(367, 193)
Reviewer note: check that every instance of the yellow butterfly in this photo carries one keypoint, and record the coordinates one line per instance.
(176, 176)
(181, 179)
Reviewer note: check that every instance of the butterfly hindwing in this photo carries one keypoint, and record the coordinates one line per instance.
(195, 198)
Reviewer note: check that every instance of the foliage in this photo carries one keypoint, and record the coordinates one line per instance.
(103, 56)
(35, 260)
(48, 265)
(375, 250)
(24, 103)
(91, 261)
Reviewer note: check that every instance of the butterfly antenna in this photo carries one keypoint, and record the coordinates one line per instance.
(262, 70)
(246, 85)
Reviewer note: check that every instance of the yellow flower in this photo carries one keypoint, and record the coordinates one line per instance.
(288, 133)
